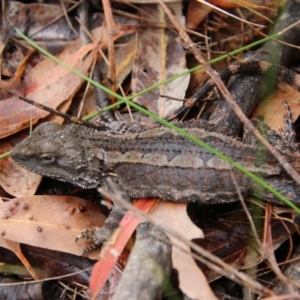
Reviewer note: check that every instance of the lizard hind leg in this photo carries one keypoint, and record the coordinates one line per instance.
(289, 135)
(284, 142)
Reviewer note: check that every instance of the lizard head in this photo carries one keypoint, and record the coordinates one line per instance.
(58, 151)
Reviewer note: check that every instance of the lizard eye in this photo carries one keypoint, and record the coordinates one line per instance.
(47, 158)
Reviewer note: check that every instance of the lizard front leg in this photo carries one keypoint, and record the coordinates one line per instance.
(100, 235)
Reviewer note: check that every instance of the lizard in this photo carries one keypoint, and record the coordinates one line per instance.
(158, 162)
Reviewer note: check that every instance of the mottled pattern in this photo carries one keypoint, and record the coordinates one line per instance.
(250, 67)
(156, 162)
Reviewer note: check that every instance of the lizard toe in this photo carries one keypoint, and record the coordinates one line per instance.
(97, 235)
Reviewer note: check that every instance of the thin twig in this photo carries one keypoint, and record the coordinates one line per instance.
(252, 226)
(111, 32)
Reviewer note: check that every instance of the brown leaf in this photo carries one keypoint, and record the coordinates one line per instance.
(51, 222)
(235, 4)
(47, 263)
(14, 179)
(51, 89)
(38, 15)
(15, 247)
(158, 57)
(228, 236)
(197, 12)
(124, 57)
(191, 280)
(272, 109)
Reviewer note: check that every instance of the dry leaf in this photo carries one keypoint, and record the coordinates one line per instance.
(158, 57)
(52, 89)
(52, 37)
(239, 3)
(197, 12)
(124, 57)
(51, 222)
(228, 236)
(38, 15)
(191, 280)
(15, 247)
(14, 179)
(272, 109)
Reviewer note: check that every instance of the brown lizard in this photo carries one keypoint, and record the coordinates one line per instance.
(158, 162)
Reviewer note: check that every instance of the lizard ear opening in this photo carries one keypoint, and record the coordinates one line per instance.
(47, 158)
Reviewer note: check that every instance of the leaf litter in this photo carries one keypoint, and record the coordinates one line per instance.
(61, 86)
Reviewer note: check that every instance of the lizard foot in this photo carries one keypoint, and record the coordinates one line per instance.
(100, 235)
(97, 235)
(288, 135)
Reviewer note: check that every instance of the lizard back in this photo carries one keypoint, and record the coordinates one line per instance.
(156, 162)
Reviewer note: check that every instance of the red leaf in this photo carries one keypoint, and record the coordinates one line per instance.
(104, 266)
